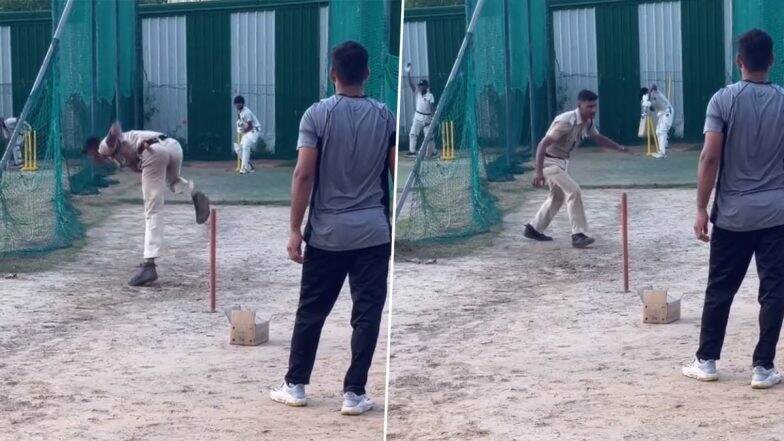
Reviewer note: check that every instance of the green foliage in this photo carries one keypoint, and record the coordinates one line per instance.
(426, 3)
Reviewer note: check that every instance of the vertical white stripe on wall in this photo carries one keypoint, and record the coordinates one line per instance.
(661, 60)
(323, 51)
(253, 69)
(414, 52)
(576, 66)
(165, 76)
(6, 81)
(729, 55)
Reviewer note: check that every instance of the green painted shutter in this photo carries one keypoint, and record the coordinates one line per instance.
(702, 30)
(444, 36)
(209, 86)
(29, 42)
(618, 62)
(296, 72)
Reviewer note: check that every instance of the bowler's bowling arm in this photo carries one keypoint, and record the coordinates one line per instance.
(608, 143)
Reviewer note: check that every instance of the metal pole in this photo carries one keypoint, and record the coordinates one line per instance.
(625, 240)
(531, 105)
(117, 60)
(37, 84)
(439, 108)
(94, 89)
(508, 91)
(213, 263)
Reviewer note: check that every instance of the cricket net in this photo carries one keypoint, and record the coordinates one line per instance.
(78, 92)
(480, 131)
(370, 24)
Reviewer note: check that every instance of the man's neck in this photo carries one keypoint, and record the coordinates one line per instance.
(756, 77)
(350, 90)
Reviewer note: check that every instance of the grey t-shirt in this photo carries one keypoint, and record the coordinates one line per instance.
(350, 200)
(750, 193)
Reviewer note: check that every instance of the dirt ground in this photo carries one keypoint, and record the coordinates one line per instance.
(537, 341)
(83, 356)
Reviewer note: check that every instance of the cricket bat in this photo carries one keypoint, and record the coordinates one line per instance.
(643, 125)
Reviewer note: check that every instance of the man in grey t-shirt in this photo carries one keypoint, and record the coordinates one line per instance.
(744, 149)
(346, 158)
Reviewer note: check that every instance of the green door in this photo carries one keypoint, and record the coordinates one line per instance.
(618, 62)
(296, 73)
(702, 26)
(209, 86)
(29, 42)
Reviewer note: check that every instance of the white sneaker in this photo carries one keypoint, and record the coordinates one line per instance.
(354, 404)
(762, 378)
(659, 155)
(703, 370)
(290, 394)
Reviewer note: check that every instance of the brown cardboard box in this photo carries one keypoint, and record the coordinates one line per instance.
(246, 330)
(659, 306)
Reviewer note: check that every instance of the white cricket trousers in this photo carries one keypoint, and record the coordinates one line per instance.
(418, 126)
(160, 168)
(17, 149)
(248, 141)
(562, 188)
(663, 123)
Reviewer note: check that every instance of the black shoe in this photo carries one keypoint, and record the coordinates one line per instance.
(531, 233)
(580, 240)
(202, 206)
(144, 275)
(411, 154)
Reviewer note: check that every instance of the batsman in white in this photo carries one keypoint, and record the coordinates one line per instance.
(249, 130)
(653, 101)
(159, 159)
(7, 125)
(425, 106)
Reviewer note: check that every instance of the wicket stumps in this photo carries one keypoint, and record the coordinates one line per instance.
(30, 155)
(447, 140)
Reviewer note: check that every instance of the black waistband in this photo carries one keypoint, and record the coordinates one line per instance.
(426, 114)
(547, 155)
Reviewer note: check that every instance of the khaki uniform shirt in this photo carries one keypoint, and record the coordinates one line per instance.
(568, 130)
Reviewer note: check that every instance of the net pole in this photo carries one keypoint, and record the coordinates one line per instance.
(37, 84)
(439, 108)
(117, 60)
(531, 105)
(508, 90)
(94, 84)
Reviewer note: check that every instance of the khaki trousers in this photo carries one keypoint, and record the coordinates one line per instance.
(562, 189)
(160, 168)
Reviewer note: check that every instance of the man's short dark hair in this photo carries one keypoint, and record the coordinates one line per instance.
(91, 144)
(755, 48)
(643, 91)
(239, 99)
(587, 95)
(350, 61)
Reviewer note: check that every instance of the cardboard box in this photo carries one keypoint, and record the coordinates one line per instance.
(659, 307)
(246, 328)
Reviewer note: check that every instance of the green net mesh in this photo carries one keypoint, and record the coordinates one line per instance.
(368, 23)
(77, 98)
(765, 15)
(481, 132)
